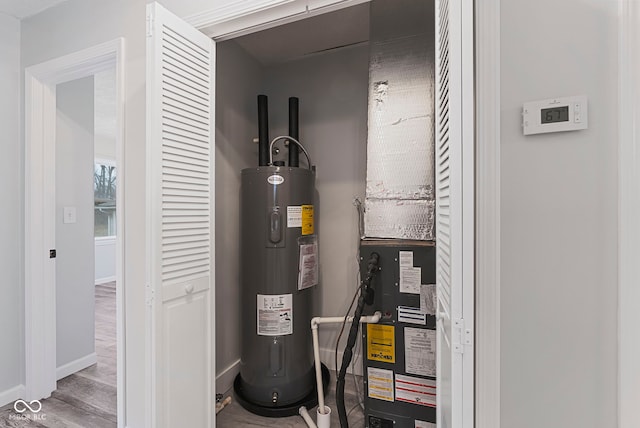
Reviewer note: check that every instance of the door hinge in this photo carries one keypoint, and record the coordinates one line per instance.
(149, 295)
(462, 336)
(149, 25)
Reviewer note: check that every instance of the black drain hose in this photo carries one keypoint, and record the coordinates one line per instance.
(366, 296)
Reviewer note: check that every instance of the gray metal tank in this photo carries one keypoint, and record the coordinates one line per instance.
(276, 226)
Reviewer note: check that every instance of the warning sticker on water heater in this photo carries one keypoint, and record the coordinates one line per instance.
(308, 268)
(294, 216)
(307, 220)
(275, 314)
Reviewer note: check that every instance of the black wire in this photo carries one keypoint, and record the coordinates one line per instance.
(346, 359)
(365, 291)
(344, 323)
(358, 204)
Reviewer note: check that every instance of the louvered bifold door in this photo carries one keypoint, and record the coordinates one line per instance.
(448, 210)
(180, 221)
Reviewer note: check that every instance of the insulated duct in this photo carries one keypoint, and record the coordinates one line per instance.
(400, 196)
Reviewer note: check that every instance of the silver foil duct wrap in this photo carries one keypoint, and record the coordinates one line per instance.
(400, 191)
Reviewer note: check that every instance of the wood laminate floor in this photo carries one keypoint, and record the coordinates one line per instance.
(86, 399)
(233, 415)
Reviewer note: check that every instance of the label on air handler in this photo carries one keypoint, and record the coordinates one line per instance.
(381, 344)
(275, 314)
(416, 390)
(380, 383)
(420, 351)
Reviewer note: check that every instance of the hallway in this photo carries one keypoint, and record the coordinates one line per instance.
(86, 398)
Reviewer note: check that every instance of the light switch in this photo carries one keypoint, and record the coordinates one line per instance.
(69, 215)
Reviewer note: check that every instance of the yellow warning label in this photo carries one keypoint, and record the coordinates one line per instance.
(381, 344)
(307, 220)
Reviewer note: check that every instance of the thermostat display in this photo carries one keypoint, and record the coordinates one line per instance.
(555, 115)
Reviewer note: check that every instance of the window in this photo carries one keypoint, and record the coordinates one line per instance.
(104, 196)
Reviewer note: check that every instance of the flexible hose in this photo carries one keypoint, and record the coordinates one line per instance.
(291, 140)
(353, 336)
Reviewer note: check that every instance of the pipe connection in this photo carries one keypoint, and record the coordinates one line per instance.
(371, 319)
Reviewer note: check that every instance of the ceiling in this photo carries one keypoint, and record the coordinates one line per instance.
(319, 33)
(24, 8)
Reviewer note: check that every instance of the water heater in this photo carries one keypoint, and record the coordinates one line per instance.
(279, 268)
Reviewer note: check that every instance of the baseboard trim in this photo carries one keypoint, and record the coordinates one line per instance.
(101, 281)
(76, 365)
(224, 380)
(11, 394)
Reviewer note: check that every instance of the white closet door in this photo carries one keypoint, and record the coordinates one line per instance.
(454, 212)
(180, 64)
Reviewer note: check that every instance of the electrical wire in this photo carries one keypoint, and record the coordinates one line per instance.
(360, 208)
(360, 211)
(353, 373)
(355, 406)
(344, 323)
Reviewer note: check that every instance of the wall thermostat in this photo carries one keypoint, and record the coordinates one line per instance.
(555, 115)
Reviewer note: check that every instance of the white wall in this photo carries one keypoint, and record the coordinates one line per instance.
(238, 81)
(333, 90)
(72, 26)
(184, 9)
(75, 294)
(11, 247)
(559, 218)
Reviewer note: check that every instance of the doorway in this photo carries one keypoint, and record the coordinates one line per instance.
(85, 218)
(47, 216)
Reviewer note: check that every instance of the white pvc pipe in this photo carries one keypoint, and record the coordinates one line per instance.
(316, 359)
(307, 418)
(324, 419)
(372, 319)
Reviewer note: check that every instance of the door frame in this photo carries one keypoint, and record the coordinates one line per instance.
(628, 214)
(40, 130)
(487, 216)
